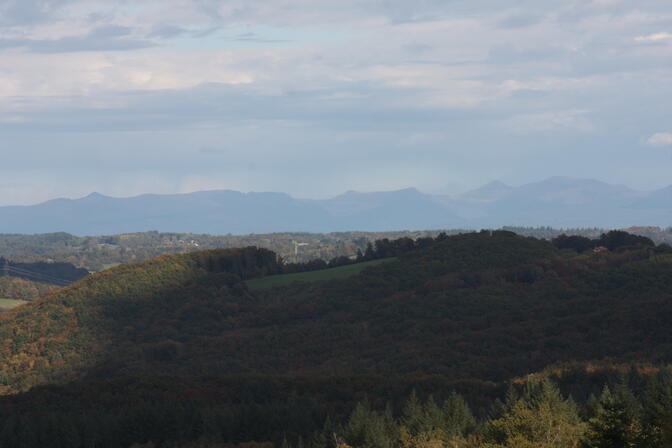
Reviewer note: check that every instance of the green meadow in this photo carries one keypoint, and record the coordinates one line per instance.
(8, 304)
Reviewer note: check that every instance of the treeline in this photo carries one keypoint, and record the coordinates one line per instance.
(630, 410)
(378, 249)
(615, 240)
(535, 415)
(657, 234)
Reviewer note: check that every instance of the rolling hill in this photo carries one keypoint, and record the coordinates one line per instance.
(483, 305)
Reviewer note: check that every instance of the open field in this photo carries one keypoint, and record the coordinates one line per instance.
(313, 276)
(8, 304)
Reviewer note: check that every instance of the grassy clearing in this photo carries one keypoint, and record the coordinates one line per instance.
(312, 276)
(109, 266)
(8, 304)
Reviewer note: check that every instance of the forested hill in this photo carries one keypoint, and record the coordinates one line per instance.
(489, 305)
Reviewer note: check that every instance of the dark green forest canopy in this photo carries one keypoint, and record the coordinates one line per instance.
(608, 407)
(489, 305)
(178, 351)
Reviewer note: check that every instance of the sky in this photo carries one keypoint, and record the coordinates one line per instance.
(317, 97)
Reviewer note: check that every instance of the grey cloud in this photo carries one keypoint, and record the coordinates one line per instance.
(323, 11)
(578, 10)
(167, 31)
(254, 37)
(109, 31)
(417, 48)
(516, 14)
(512, 54)
(368, 106)
(29, 12)
(527, 95)
(105, 38)
(520, 20)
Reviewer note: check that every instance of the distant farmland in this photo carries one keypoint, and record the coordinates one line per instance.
(313, 276)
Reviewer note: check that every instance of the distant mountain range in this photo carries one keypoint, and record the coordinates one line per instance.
(557, 201)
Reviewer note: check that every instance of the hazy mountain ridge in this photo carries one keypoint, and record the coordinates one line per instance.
(557, 201)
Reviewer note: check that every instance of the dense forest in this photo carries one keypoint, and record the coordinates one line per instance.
(437, 345)
(22, 289)
(578, 408)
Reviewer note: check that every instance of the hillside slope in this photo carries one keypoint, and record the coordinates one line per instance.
(483, 305)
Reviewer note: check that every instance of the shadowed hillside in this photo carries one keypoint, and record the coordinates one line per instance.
(110, 313)
(484, 305)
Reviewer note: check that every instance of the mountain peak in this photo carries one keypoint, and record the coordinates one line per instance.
(407, 189)
(489, 192)
(94, 195)
(496, 184)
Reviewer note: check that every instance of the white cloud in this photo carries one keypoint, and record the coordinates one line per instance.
(563, 121)
(656, 37)
(86, 77)
(660, 140)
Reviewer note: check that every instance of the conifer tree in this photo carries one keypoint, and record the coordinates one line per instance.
(657, 404)
(368, 429)
(457, 416)
(433, 418)
(541, 419)
(323, 439)
(615, 425)
(413, 415)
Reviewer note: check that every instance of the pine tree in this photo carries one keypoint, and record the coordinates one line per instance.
(324, 438)
(358, 424)
(657, 404)
(433, 416)
(413, 415)
(369, 429)
(541, 419)
(615, 425)
(457, 416)
(369, 253)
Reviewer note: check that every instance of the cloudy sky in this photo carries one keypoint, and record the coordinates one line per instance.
(316, 97)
